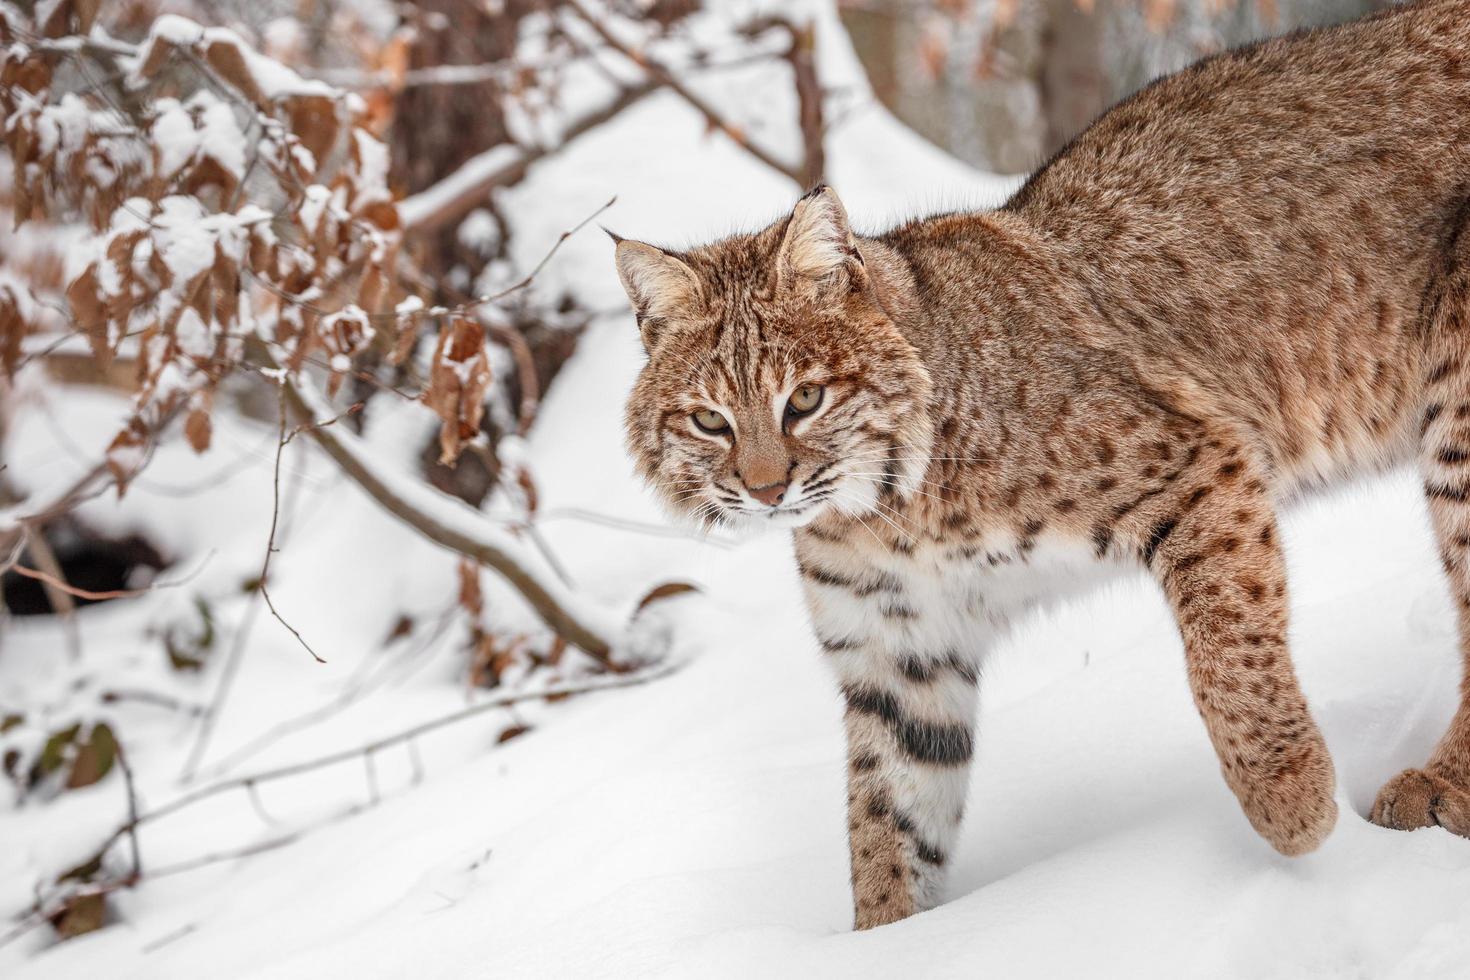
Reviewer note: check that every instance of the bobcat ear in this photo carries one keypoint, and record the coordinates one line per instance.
(657, 283)
(819, 245)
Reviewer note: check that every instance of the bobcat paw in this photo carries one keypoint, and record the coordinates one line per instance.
(1293, 807)
(1418, 798)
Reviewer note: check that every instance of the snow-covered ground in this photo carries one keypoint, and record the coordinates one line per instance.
(694, 826)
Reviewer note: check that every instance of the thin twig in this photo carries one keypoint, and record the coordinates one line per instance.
(536, 270)
(216, 857)
(438, 311)
(127, 771)
(164, 940)
(86, 488)
(115, 695)
(343, 700)
(270, 547)
(258, 805)
(553, 609)
(628, 524)
(515, 342)
(72, 591)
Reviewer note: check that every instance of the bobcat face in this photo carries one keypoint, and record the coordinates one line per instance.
(776, 386)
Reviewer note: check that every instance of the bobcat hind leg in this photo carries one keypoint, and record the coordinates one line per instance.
(1439, 793)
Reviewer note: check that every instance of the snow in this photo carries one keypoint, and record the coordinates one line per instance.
(181, 140)
(479, 168)
(273, 79)
(694, 825)
(458, 520)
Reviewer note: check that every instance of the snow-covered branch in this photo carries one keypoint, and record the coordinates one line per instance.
(455, 525)
(467, 187)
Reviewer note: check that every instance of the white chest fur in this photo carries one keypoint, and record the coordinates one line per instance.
(937, 599)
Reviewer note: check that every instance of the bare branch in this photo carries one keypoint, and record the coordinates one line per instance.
(462, 191)
(803, 59)
(662, 75)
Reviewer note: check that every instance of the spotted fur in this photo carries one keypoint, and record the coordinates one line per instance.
(1245, 282)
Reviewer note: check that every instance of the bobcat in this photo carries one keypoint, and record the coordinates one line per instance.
(1247, 281)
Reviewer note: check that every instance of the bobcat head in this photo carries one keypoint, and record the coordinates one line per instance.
(777, 384)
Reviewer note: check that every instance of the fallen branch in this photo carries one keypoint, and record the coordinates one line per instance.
(407, 737)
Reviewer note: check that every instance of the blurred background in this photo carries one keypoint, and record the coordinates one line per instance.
(335, 623)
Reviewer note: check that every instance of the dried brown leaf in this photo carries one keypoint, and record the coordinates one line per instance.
(470, 597)
(665, 591)
(125, 454)
(402, 626)
(88, 309)
(13, 329)
(160, 51)
(458, 382)
(197, 429)
(514, 731)
(408, 333)
(314, 121)
(80, 915)
(94, 757)
(227, 61)
(528, 488)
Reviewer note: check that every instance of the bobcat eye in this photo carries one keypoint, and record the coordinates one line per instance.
(711, 422)
(804, 401)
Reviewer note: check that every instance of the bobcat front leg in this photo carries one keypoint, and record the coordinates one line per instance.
(910, 723)
(1211, 541)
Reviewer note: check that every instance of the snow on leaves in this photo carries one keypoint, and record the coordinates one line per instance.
(17, 314)
(458, 382)
(229, 197)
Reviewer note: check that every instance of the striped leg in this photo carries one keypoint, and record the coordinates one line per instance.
(910, 723)
(1440, 792)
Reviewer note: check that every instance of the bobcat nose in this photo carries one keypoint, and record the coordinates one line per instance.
(770, 495)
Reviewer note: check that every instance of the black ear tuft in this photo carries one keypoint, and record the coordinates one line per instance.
(617, 239)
